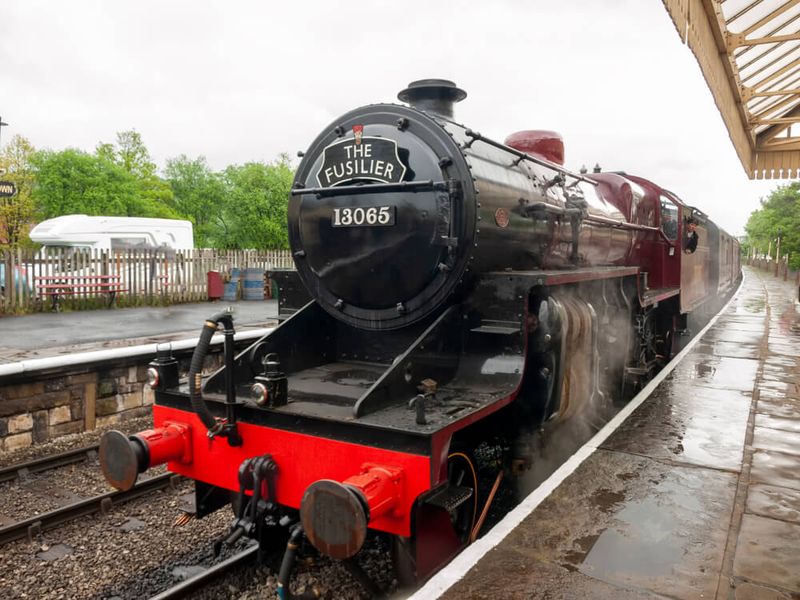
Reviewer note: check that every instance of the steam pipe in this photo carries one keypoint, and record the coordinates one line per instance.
(196, 368)
(600, 220)
(230, 383)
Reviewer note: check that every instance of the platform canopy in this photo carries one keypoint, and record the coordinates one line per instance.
(749, 52)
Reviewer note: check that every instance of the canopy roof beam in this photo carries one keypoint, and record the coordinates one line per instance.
(750, 57)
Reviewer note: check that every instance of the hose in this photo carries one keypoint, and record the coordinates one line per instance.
(196, 369)
(474, 535)
(284, 593)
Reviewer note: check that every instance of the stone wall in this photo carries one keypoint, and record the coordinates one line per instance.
(48, 406)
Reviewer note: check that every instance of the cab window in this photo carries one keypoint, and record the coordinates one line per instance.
(669, 219)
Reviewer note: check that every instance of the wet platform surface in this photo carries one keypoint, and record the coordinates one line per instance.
(46, 334)
(695, 495)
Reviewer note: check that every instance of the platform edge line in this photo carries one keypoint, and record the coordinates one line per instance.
(59, 361)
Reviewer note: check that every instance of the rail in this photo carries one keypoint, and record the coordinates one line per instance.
(192, 584)
(101, 503)
(46, 463)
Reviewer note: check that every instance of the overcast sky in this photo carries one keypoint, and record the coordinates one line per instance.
(241, 81)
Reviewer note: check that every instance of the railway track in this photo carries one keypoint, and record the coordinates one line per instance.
(192, 584)
(54, 461)
(33, 526)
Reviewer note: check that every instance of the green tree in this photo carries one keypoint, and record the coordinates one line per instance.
(779, 215)
(254, 213)
(198, 195)
(106, 152)
(74, 182)
(154, 194)
(16, 212)
(130, 153)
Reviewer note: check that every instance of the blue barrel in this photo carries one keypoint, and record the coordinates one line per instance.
(231, 293)
(253, 284)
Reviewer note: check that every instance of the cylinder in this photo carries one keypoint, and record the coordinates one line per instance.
(335, 515)
(163, 444)
(123, 457)
(253, 284)
(231, 293)
(215, 286)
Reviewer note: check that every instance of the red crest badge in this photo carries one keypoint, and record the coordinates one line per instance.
(501, 217)
(358, 131)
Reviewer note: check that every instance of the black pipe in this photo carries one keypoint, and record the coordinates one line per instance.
(230, 383)
(284, 593)
(196, 368)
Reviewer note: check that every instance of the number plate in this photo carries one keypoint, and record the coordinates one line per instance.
(357, 216)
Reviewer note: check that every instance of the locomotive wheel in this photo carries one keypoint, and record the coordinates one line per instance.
(461, 472)
(665, 342)
(646, 332)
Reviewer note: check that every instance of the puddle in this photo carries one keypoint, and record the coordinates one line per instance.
(689, 424)
(717, 371)
(649, 538)
(646, 546)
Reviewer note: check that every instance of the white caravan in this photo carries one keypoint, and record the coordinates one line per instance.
(73, 244)
(82, 232)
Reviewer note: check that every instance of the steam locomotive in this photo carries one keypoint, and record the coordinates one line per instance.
(462, 292)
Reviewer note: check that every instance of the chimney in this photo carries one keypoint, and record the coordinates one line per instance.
(433, 95)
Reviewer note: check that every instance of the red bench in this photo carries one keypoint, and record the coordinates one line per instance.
(57, 286)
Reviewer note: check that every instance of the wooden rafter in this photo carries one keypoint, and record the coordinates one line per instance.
(750, 57)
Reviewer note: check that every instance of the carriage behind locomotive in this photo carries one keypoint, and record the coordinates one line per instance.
(463, 292)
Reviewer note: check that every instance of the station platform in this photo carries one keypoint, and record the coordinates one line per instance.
(41, 335)
(692, 491)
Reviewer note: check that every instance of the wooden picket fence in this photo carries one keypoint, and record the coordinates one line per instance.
(149, 277)
(778, 268)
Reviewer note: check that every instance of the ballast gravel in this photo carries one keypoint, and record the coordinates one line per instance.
(136, 550)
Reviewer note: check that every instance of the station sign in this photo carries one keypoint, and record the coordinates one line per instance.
(7, 189)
